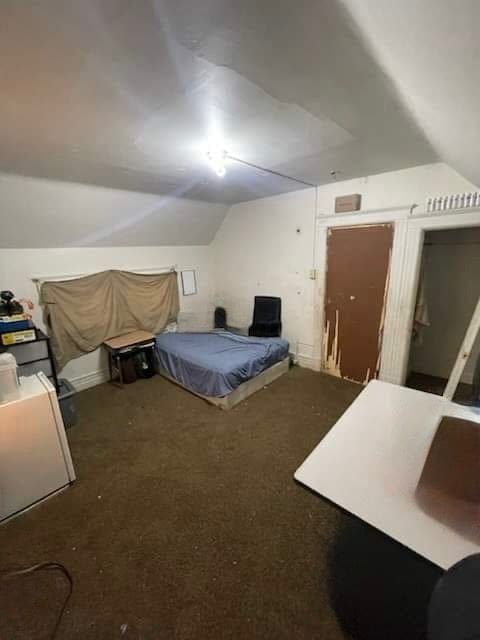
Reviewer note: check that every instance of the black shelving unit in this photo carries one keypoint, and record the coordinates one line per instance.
(34, 356)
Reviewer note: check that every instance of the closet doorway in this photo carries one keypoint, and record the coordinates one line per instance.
(448, 290)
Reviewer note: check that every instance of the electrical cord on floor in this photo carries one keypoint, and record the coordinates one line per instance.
(47, 566)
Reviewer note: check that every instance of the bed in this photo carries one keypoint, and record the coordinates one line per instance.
(222, 367)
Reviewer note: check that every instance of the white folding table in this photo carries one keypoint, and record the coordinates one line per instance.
(371, 460)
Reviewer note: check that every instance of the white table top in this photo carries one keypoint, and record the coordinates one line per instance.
(371, 460)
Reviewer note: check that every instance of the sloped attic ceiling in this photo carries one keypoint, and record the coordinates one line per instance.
(127, 94)
(43, 214)
(430, 49)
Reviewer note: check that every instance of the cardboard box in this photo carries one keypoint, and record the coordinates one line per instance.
(343, 204)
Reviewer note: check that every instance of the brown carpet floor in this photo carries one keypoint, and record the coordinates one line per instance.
(434, 384)
(185, 521)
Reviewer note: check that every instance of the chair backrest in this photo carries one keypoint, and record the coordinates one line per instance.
(267, 309)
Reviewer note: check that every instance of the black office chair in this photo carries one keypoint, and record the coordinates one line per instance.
(267, 317)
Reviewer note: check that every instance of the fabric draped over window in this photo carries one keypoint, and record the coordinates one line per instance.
(84, 312)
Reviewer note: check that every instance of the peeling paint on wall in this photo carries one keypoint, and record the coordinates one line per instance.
(358, 273)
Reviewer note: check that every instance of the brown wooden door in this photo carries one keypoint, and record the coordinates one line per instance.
(358, 265)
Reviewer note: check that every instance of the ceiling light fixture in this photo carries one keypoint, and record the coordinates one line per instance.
(216, 158)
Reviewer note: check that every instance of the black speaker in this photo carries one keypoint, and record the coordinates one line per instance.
(220, 318)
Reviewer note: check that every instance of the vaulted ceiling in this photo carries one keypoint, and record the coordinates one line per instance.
(128, 94)
(430, 49)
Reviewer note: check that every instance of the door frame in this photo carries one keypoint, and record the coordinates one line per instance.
(416, 228)
(408, 236)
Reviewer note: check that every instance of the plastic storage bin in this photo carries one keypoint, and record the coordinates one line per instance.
(8, 377)
(66, 400)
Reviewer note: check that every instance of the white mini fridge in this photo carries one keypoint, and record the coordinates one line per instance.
(35, 460)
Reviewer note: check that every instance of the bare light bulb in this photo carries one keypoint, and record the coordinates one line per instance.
(216, 158)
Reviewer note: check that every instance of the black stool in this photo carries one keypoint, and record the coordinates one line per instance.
(454, 612)
(380, 590)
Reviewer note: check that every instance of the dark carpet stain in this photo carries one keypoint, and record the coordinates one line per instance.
(185, 521)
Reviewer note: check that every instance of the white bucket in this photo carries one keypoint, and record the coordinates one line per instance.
(9, 387)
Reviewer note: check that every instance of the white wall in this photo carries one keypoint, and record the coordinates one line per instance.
(452, 288)
(257, 250)
(18, 266)
(265, 247)
(396, 188)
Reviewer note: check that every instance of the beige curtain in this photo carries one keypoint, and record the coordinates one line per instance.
(85, 312)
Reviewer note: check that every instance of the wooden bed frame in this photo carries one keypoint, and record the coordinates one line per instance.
(245, 390)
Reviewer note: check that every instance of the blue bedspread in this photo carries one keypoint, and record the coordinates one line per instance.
(216, 363)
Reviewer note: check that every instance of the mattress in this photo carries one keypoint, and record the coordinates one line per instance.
(215, 363)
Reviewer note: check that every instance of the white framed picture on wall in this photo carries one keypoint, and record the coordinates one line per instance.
(189, 282)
